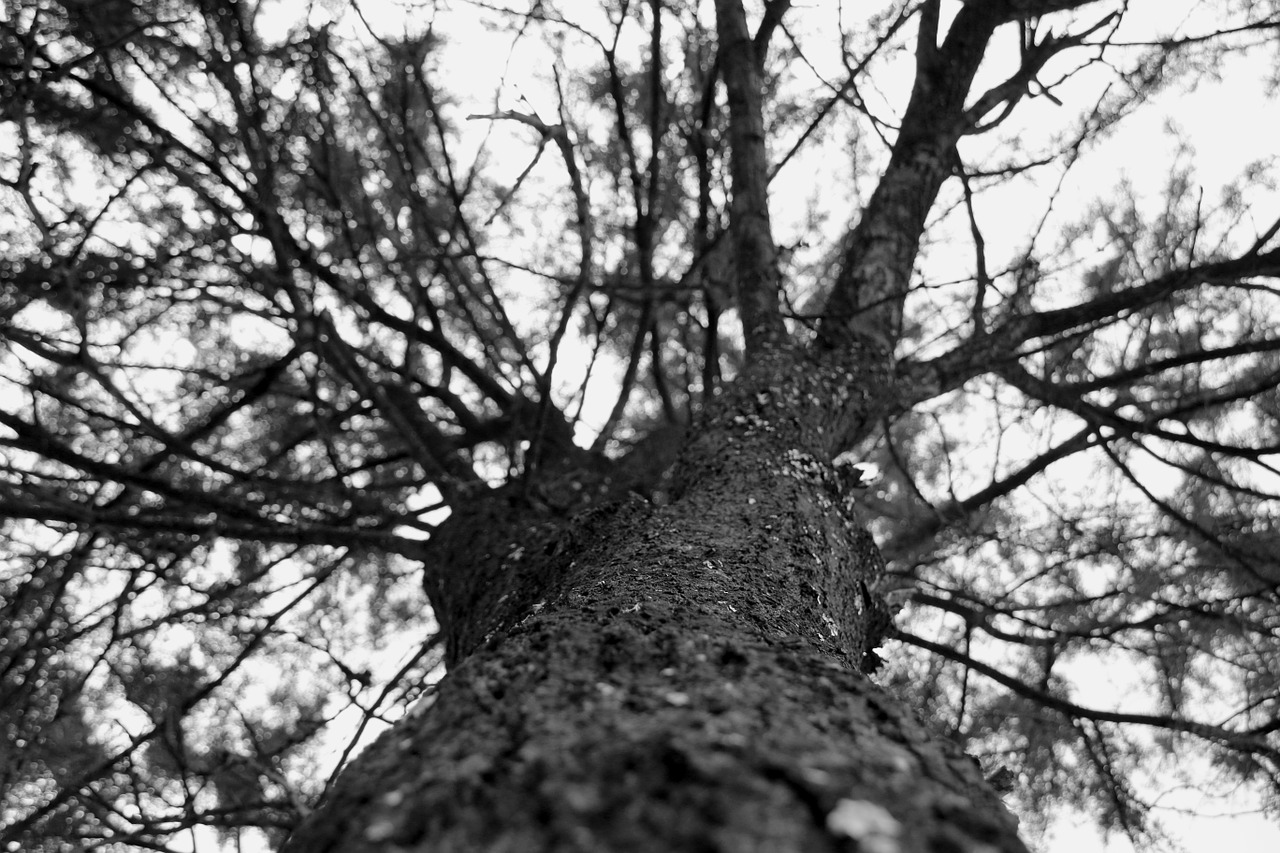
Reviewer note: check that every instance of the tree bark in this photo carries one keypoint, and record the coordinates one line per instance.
(691, 673)
(676, 677)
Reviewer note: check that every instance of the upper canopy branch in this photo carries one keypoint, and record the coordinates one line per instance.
(1035, 55)
(773, 12)
(868, 295)
(434, 451)
(1245, 740)
(751, 230)
(1110, 416)
(1005, 11)
(1001, 344)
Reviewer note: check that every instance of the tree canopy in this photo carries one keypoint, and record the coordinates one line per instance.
(284, 285)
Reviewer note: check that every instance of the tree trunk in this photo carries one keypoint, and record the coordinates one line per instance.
(691, 674)
(672, 675)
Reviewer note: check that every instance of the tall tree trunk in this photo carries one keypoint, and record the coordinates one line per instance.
(677, 677)
(694, 675)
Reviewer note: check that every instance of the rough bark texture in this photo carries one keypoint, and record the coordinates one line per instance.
(677, 677)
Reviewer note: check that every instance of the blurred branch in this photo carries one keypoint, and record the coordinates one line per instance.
(431, 449)
(1100, 416)
(774, 10)
(14, 831)
(911, 543)
(1000, 346)
(1238, 741)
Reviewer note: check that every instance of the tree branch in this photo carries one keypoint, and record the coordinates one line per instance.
(1000, 346)
(755, 255)
(1241, 741)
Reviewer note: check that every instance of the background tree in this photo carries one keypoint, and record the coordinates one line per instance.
(289, 333)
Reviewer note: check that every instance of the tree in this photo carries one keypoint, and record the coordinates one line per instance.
(284, 342)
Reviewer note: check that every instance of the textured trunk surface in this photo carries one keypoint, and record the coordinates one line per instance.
(671, 676)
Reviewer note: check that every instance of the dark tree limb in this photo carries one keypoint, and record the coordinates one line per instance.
(755, 254)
